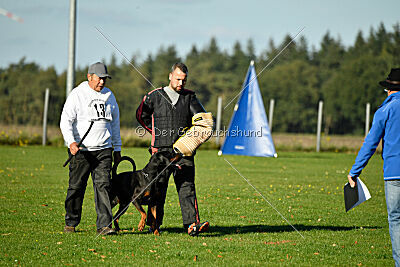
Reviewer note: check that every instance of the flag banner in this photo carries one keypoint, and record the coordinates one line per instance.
(248, 132)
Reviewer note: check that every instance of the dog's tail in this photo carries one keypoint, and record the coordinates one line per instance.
(113, 196)
(115, 167)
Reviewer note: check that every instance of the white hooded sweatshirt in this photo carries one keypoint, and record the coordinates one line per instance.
(84, 105)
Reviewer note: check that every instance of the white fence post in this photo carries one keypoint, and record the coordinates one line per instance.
(219, 115)
(46, 107)
(271, 113)
(320, 106)
(367, 111)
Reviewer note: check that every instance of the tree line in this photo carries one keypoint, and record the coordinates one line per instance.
(345, 78)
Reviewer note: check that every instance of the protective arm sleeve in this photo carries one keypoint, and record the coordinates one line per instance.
(144, 113)
(370, 143)
(200, 132)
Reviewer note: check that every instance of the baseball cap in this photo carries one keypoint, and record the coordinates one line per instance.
(99, 69)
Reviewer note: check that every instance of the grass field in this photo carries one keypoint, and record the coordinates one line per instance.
(307, 188)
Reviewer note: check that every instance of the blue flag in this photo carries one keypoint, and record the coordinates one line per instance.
(249, 133)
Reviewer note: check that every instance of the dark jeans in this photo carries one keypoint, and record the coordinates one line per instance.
(184, 182)
(98, 164)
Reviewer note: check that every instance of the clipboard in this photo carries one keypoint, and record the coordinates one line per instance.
(356, 195)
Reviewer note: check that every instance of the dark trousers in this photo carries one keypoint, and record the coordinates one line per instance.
(98, 164)
(185, 186)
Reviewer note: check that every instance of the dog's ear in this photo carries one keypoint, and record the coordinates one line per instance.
(166, 158)
(154, 162)
(161, 157)
(155, 158)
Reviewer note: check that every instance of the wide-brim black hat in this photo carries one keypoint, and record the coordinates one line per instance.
(392, 82)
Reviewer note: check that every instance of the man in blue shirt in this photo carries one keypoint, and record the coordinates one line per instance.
(386, 126)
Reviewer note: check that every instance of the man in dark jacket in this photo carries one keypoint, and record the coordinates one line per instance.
(386, 126)
(165, 113)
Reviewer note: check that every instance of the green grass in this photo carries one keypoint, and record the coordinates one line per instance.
(307, 188)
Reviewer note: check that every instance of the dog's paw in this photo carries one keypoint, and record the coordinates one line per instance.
(141, 225)
(156, 232)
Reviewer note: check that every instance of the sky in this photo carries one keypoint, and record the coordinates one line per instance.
(142, 27)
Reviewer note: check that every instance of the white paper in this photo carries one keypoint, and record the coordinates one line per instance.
(363, 193)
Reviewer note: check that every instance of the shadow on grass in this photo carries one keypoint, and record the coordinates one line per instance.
(307, 155)
(243, 229)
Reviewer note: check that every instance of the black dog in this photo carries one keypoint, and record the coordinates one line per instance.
(135, 185)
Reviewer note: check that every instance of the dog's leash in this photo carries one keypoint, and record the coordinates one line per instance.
(79, 144)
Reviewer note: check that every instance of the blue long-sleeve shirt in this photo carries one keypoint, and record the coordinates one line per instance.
(386, 125)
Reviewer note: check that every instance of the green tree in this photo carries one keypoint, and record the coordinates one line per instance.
(293, 85)
(348, 91)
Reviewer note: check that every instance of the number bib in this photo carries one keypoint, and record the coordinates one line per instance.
(99, 110)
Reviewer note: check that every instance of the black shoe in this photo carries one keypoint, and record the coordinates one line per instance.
(69, 229)
(194, 229)
(106, 231)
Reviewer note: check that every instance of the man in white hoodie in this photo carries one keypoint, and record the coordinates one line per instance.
(90, 102)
